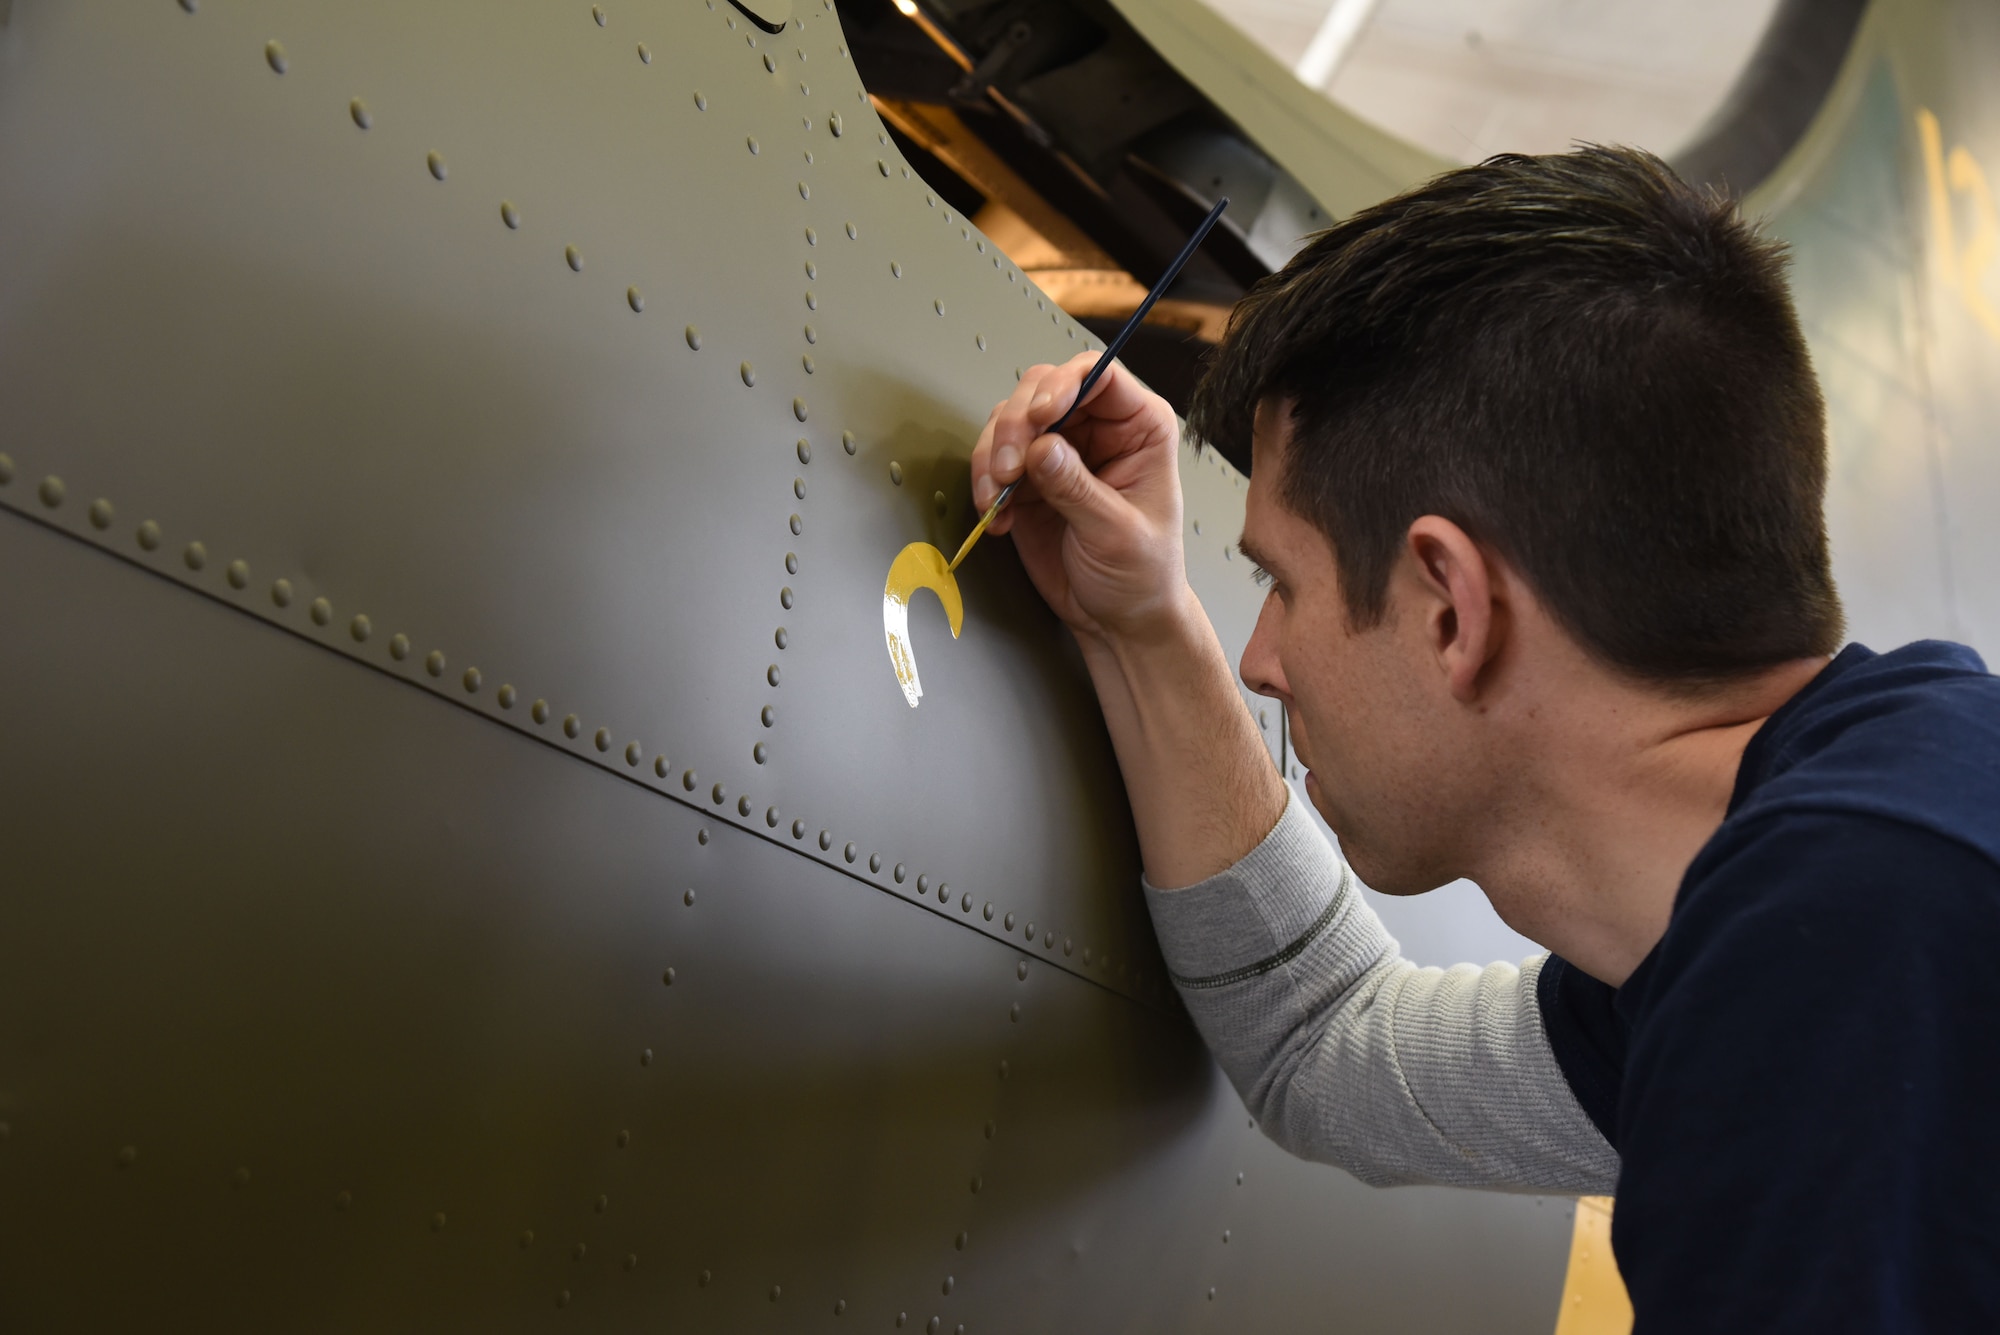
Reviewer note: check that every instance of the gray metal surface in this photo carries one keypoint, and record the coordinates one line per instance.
(333, 989)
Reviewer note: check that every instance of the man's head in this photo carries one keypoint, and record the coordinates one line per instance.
(1588, 372)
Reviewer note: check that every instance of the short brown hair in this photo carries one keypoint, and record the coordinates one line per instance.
(1585, 363)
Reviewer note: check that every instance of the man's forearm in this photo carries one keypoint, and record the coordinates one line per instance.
(1202, 786)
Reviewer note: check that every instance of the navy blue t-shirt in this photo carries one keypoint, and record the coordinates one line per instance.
(1803, 1078)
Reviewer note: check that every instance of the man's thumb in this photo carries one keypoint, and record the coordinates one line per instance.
(1069, 488)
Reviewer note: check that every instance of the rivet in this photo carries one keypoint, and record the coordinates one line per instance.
(798, 829)
(435, 161)
(805, 191)
(748, 372)
(807, 362)
(1003, 1076)
(630, 1262)
(343, 1199)
(799, 409)
(660, 766)
(944, 892)
(1225, 1235)
(238, 574)
(881, 166)
(363, 117)
(149, 536)
(833, 124)
(770, 65)
(572, 726)
(360, 628)
(527, 1238)
(645, 1059)
(1068, 945)
(940, 502)
(807, 90)
(938, 305)
(798, 525)
(705, 1277)
(784, 601)
(791, 563)
(603, 739)
(805, 452)
(539, 711)
(987, 912)
(700, 100)
(1239, 1179)
(471, 679)
(437, 1222)
(597, 12)
(896, 473)
(510, 215)
(853, 234)
(322, 614)
(100, 515)
(281, 592)
(895, 269)
(1014, 1012)
(812, 237)
(667, 978)
(850, 852)
(645, 56)
(240, 1178)
(931, 1327)
(977, 1183)
(274, 56)
(777, 1291)
(1086, 954)
(899, 873)
(578, 1252)
(980, 340)
(1021, 969)
(771, 674)
(717, 795)
(574, 257)
(506, 695)
(965, 904)
(633, 753)
(902, 1317)
(635, 299)
(1030, 933)
(1048, 940)
(825, 840)
(196, 556)
(923, 884)
(839, 1306)
(562, 1298)
(1211, 1293)
(693, 339)
(128, 1155)
(688, 780)
(947, 1285)
(743, 805)
(771, 817)
(688, 899)
(750, 142)
(979, 246)
(1008, 922)
(760, 753)
(847, 441)
(769, 715)
(990, 1129)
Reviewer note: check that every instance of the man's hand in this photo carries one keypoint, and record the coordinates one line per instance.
(1097, 521)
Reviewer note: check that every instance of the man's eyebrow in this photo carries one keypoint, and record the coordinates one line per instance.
(1255, 557)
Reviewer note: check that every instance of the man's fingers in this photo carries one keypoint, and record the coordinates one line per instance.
(1068, 486)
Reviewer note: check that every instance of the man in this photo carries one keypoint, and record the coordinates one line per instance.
(1538, 463)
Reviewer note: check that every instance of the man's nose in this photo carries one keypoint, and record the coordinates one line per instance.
(1260, 668)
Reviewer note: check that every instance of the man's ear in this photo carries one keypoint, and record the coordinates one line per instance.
(1462, 600)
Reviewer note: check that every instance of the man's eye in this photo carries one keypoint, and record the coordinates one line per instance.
(1261, 577)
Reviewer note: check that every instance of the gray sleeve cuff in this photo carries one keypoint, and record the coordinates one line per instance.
(1255, 915)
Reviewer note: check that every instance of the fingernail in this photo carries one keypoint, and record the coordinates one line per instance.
(1041, 398)
(982, 494)
(1006, 459)
(1055, 460)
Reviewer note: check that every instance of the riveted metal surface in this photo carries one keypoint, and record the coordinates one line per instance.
(510, 397)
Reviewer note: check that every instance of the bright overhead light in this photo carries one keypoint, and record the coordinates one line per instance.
(909, 8)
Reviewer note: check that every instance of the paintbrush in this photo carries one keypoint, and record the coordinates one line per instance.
(1111, 350)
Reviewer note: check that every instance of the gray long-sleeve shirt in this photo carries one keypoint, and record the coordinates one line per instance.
(1347, 1053)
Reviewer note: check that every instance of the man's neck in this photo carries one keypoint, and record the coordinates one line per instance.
(1616, 805)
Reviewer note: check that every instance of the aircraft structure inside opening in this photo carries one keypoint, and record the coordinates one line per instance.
(469, 863)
